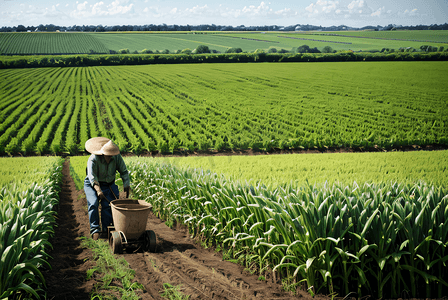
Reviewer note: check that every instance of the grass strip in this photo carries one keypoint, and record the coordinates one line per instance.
(115, 276)
(173, 292)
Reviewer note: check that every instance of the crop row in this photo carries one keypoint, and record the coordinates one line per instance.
(371, 239)
(204, 107)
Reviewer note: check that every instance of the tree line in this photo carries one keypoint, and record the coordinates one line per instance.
(210, 27)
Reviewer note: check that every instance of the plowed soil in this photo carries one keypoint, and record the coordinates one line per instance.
(179, 260)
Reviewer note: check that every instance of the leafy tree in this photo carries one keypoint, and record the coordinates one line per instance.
(166, 51)
(327, 49)
(21, 28)
(202, 49)
(186, 51)
(303, 49)
(283, 51)
(272, 50)
(123, 51)
(424, 48)
(234, 50)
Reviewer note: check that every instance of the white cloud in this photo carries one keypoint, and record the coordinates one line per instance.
(411, 13)
(251, 12)
(101, 9)
(81, 6)
(198, 10)
(322, 6)
(262, 10)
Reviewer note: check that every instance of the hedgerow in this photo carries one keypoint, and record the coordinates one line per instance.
(144, 59)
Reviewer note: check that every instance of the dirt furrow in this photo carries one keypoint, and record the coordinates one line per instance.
(179, 260)
(202, 273)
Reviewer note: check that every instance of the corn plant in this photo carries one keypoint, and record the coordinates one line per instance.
(364, 239)
(26, 224)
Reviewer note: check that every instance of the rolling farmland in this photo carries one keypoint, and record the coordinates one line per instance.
(85, 42)
(341, 224)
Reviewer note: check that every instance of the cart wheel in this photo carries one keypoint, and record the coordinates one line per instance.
(115, 243)
(149, 243)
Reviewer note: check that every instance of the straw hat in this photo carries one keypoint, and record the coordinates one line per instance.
(102, 146)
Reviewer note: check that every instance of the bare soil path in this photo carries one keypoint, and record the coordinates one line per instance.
(179, 260)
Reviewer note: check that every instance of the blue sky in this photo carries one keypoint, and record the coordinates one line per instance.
(356, 13)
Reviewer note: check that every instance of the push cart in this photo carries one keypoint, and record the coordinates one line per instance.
(129, 227)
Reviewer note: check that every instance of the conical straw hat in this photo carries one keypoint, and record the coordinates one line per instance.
(102, 146)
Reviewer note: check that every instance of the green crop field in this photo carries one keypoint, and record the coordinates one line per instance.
(223, 106)
(49, 43)
(298, 169)
(69, 42)
(424, 36)
(26, 170)
(347, 40)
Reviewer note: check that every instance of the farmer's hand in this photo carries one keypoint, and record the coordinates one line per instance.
(101, 195)
(99, 192)
(127, 190)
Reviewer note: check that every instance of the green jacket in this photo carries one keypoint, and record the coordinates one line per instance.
(98, 170)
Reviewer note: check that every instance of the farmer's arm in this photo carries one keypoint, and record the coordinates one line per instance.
(92, 169)
(124, 173)
(92, 174)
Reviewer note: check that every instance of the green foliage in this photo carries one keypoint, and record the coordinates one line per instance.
(201, 49)
(327, 49)
(173, 292)
(234, 50)
(123, 51)
(26, 225)
(259, 55)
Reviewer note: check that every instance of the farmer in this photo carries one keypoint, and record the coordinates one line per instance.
(99, 184)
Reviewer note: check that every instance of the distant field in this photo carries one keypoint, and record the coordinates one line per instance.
(296, 169)
(59, 43)
(440, 36)
(25, 171)
(49, 43)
